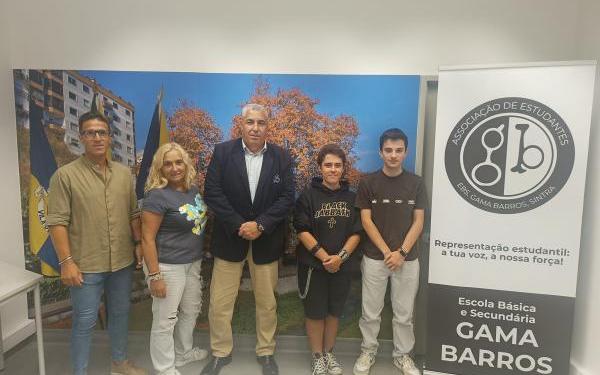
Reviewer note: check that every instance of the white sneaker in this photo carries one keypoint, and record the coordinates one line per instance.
(406, 365)
(196, 354)
(363, 363)
(334, 367)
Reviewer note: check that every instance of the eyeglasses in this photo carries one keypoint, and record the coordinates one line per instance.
(93, 133)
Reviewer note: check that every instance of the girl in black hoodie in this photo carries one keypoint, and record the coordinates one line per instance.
(328, 227)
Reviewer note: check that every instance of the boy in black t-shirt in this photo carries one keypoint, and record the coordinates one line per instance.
(328, 227)
(392, 209)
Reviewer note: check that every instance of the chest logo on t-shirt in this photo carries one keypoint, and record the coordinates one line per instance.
(389, 200)
(195, 213)
(332, 210)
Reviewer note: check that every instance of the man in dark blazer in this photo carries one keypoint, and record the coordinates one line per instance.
(250, 188)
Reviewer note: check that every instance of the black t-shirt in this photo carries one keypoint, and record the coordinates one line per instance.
(330, 216)
(179, 238)
(391, 201)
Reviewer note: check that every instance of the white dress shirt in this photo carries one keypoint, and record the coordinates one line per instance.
(253, 166)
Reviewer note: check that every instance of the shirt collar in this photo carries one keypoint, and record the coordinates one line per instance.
(93, 165)
(259, 152)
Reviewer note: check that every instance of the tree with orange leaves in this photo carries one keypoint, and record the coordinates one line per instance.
(296, 125)
(195, 130)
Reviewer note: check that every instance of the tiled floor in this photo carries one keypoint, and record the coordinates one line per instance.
(292, 355)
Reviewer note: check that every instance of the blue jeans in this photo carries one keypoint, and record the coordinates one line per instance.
(86, 301)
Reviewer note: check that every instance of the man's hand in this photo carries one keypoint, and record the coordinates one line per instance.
(394, 260)
(139, 256)
(70, 274)
(332, 263)
(158, 288)
(249, 231)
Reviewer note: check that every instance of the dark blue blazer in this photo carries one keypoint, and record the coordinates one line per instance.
(227, 194)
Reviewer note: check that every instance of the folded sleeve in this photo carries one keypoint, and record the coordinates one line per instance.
(134, 210)
(59, 200)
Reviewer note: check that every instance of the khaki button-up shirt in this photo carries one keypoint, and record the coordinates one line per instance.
(97, 211)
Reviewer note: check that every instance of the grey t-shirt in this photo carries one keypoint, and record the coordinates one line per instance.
(391, 201)
(179, 238)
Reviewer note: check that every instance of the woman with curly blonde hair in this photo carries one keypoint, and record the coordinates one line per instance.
(173, 220)
(156, 179)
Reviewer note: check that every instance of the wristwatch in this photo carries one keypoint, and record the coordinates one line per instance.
(260, 227)
(402, 252)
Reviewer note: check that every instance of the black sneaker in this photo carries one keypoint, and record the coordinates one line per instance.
(319, 364)
(214, 366)
(269, 366)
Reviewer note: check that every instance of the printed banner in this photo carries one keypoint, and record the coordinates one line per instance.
(510, 162)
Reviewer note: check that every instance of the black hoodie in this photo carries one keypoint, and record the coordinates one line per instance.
(329, 215)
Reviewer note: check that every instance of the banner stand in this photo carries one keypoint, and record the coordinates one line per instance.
(509, 176)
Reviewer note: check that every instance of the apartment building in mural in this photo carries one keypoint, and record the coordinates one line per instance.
(66, 95)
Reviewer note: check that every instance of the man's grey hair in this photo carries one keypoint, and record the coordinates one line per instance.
(254, 107)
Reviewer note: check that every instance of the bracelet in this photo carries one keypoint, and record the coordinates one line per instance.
(315, 248)
(64, 260)
(402, 252)
(344, 255)
(155, 276)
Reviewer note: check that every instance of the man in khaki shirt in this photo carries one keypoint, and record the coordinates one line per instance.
(95, 227)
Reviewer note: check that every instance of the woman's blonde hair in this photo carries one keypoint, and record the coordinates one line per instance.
(156, 180)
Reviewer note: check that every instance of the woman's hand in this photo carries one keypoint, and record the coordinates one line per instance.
(158, 288)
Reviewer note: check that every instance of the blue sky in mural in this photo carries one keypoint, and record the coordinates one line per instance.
(377, 102)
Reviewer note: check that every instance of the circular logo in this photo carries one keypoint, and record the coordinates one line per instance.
(509, 155)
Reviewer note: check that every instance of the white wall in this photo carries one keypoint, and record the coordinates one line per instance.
(585, 356)
(336, 36)
(281, 36)
(15, 325)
